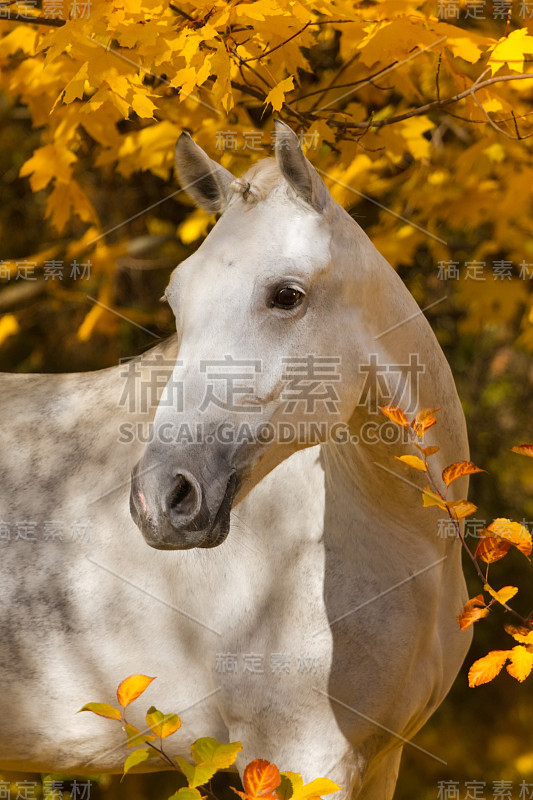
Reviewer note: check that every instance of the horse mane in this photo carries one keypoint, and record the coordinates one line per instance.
(257, 183)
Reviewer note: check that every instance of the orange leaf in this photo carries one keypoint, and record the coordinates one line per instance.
(523, 449)
(475, 609)
(512, 532)
(395, 414)
(521, 663)
(425, 413)
(461, 508)
(458, 469)
(131, 688)
(413, 461)
(492, 549)
(423, 421)
(520, 633)
(430, 451)
(260, 779)
(485, 669)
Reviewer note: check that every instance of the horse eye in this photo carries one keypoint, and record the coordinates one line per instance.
(287, 297)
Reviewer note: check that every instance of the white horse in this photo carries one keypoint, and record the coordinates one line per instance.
(315, 623)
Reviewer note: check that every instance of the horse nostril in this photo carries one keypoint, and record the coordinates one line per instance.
(184, 499)
(179, 493)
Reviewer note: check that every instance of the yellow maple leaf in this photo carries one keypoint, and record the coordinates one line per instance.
(276, 96)
(76, 86)
(50, 161)
(143, 106)
(511, 50)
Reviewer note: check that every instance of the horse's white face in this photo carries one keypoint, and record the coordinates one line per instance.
(266, 362)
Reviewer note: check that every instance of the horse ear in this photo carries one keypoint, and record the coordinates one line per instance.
(201, 177)
(297, 170)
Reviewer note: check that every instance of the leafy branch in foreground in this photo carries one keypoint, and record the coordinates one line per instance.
(261, 779)
(495, 542)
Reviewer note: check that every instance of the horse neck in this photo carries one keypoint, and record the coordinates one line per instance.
(397, 340)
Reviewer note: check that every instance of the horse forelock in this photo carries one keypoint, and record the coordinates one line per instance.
(257, 183)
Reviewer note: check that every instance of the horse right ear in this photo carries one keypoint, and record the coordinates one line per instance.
(297, 170)
(201, 177)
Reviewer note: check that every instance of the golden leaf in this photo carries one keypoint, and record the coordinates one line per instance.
(413, 461)
(316, 788)
(520, 633)
(131, 688)
(143, 106)
(102, 709)
(461, 508)
(162, 725)
(431, 498)
(46, 163)
(521, 663)
(485, 669)
(503, 595)
(511, 50)
(512, 532)
(276, 96)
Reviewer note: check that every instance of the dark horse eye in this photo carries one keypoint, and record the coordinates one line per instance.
(287, 297)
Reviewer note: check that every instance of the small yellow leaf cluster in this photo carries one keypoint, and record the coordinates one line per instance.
(262, 780)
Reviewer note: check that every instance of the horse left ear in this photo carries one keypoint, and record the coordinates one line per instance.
(297, 170)
(202, 178)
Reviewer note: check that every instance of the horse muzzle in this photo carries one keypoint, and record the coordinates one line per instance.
(188, 512)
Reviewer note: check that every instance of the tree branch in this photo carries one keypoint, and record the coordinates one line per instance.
(434, 104)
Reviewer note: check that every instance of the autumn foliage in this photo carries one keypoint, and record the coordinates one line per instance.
(495, 542)
(261, 779)
(406, 106)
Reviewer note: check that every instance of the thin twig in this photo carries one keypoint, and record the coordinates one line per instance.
(273, 49)
(180, 11)
(437, 86)
(323, 92)
(488, 119)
